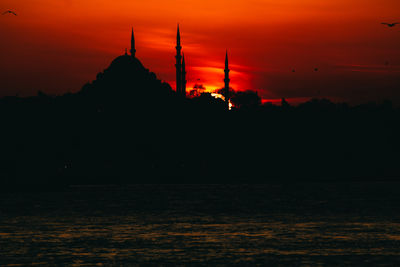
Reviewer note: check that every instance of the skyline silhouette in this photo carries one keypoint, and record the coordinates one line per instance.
(350, 53)
(129, 126)
(180, 82)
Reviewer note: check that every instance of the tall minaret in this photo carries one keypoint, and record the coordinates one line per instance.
(178, 64)
(226, 80)
(183, 76)
(133, 50)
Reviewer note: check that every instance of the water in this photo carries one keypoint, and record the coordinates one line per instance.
(298, 224)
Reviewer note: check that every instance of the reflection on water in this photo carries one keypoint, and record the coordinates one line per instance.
(308, 224)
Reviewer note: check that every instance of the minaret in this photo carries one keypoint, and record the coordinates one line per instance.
(226, 80)
(183, 76)
(133, 50)
(178, 65)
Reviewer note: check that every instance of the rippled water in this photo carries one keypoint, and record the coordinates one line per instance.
(278, 224)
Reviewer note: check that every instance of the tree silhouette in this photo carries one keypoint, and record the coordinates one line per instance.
(245, 99)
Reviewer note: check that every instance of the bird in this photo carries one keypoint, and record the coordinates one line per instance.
(9, 12)
(390, 24)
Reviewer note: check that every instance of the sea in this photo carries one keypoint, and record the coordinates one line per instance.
(276, 224)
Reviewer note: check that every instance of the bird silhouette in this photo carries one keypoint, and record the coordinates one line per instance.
(9, 12)
(390, 24)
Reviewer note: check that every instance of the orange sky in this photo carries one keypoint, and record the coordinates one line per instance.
(58, 45)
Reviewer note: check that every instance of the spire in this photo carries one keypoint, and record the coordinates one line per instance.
(226, 59)
(178, 64)
(226, 80)
(133, 50)
(178, 37)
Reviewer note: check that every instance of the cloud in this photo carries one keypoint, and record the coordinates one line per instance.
(386, 67)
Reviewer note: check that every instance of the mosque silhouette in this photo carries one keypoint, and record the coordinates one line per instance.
(127, 75)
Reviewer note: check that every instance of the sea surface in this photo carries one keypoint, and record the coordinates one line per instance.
(288, 224)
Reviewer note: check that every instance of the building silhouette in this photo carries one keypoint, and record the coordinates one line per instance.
(226, 80)
(180, 67)
(126, 78)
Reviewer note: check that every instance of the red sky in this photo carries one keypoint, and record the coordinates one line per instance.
(58, 45)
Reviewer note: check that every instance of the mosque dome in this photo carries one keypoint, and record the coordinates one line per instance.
(127, 62)
(126, 76)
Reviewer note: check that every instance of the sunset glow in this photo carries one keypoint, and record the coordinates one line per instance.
(216, 95)
(273, 46)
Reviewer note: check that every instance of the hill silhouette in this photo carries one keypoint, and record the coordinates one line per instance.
(127, 126)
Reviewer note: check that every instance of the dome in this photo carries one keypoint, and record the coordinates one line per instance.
(127, 62)
(127, 77)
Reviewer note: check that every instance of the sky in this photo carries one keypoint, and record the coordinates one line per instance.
(274, 47)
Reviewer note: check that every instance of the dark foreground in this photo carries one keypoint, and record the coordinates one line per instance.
(277, 224)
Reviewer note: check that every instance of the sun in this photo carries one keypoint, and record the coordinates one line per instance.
(217, 95)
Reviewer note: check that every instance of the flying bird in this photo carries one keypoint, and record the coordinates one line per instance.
(390, 24)
(9, 12)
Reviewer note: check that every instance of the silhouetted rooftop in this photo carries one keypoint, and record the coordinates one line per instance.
(127, 61)
(126, 76)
